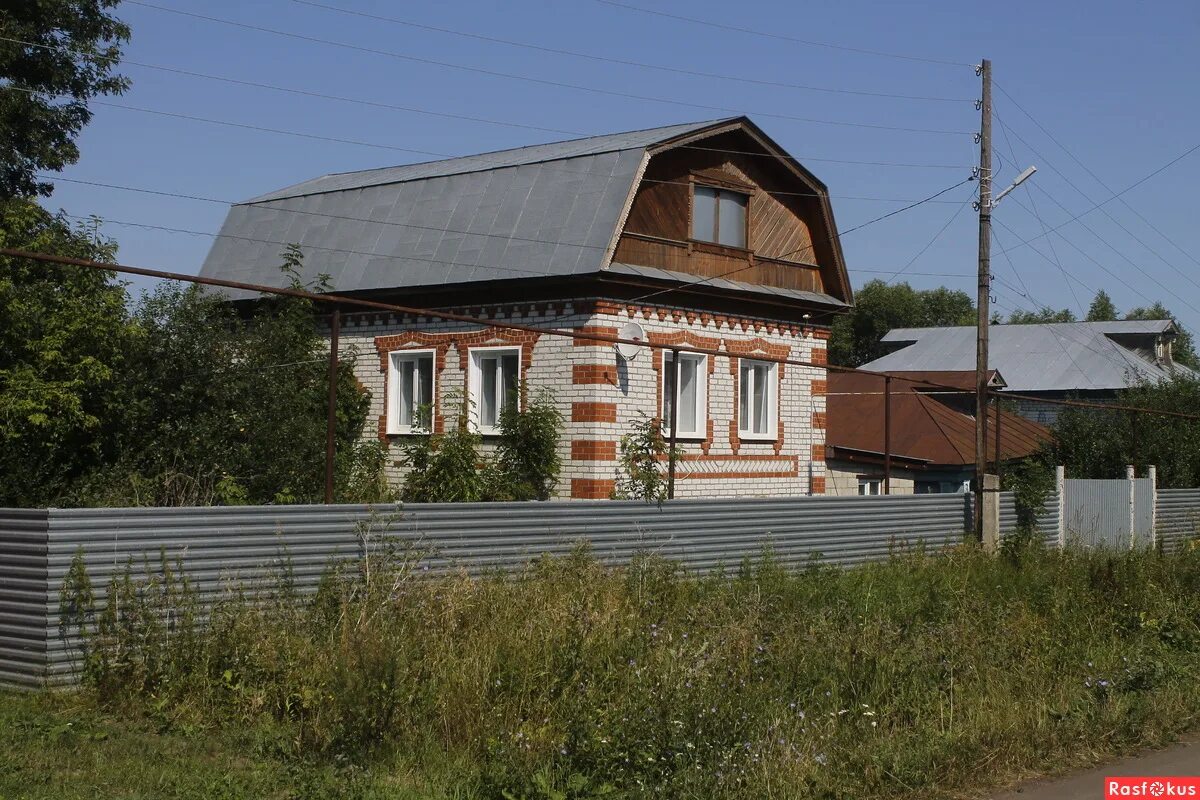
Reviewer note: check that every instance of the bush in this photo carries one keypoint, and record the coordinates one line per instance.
(645, 459)
(917, 677)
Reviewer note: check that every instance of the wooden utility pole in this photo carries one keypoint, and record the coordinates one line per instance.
(985, 289)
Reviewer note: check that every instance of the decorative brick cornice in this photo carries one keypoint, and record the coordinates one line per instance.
(597, 330)
(494, 337)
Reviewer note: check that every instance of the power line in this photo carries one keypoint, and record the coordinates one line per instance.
(542, 81)
(1096, 178)
(324, 215)
(554, 332)
(448, 115)
(931, 242)
(621, 61)
(782, 37)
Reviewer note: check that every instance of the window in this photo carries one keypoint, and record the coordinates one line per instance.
(410, 387)
(758, 399)
(495, 378)
(693, 404)
(719, 215)
(869, 486)
(939, 487)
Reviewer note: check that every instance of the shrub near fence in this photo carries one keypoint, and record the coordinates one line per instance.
(215, 546)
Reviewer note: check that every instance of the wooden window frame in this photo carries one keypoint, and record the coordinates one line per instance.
(719, 186)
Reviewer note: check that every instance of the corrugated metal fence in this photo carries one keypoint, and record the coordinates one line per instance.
(220, 546)
(1177, 514)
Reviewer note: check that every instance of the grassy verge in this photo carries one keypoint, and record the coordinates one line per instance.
(921, 677)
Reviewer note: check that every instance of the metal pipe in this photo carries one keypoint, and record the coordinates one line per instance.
(674, 421)
(887, 435)
(335, 326)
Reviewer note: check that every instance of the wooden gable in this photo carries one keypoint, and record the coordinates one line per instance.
(789, 240)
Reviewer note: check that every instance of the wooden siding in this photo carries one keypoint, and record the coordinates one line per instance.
(787, 244)
(711, 261)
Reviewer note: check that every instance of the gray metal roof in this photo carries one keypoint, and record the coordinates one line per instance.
(1068, 356)
(545, 210)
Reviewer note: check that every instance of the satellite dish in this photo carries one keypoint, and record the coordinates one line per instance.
(630, 330)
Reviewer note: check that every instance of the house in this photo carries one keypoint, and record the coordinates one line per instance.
(1083, 360)
(705, 234)
(932, 437)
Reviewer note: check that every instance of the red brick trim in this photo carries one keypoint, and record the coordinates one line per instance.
(413, 340)
(593, 450)
(819, 419)
(735, 439)
(818, 485)
(592, 488)
(819, 388)
(582, 374)
(593, 412)
(749, 348)
(820, 333)
(818, 453)
(692, 340)
(596, 330)
(792, 471)
(819, 355)
(495, 337)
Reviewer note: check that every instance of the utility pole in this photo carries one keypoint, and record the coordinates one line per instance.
(985, 289)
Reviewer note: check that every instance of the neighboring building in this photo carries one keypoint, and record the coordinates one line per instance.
(932, 433)
(1082, 360)
(706, 234)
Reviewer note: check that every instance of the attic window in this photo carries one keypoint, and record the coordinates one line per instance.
(719, 215)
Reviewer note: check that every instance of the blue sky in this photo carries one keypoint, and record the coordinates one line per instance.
(1111, 81)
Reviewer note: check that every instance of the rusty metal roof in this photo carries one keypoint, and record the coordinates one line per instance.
(931, 425)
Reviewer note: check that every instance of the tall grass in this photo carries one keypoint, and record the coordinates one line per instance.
(914, 677)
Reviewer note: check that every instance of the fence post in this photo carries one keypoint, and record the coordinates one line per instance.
(1060, 486)
(1130, 475)
(1152, 474)
(990, 498)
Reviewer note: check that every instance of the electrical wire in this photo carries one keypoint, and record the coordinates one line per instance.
(554, 332)
(1097, 178)
(936, 236)
(543, 81)
(620, 61)
(783, 37)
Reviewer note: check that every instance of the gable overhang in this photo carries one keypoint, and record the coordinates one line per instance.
(744, 125)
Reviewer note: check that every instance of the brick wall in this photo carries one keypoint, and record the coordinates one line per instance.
(600, 395)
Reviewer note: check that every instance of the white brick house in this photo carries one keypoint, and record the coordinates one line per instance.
(707, 235)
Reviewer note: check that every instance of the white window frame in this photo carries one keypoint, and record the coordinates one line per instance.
(474, 383)
(744, 429)
(395, 357)
(701, 430)
(873, 486)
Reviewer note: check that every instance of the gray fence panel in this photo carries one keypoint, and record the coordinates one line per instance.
(1143, 512)
(1178, 517)
(23, 591)
(1046, 520)
(222, 548)
(1098, 513)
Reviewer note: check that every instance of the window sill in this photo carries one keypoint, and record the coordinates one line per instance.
(407, 433)
(717, 248)
(751, 438)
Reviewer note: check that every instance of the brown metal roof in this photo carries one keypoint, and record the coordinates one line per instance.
(931, 425)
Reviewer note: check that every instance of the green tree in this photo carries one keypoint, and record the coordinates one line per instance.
(64, 339)
(527, 461)
(55, 56)
(1040, 317)
(1102, 308)
(225, 408)
(880, 307)
(1098, 443)
(1184, 348)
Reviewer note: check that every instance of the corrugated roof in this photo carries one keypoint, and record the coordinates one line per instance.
(535, 211)
(1069, 356)
(927, 424)
(548, 210)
